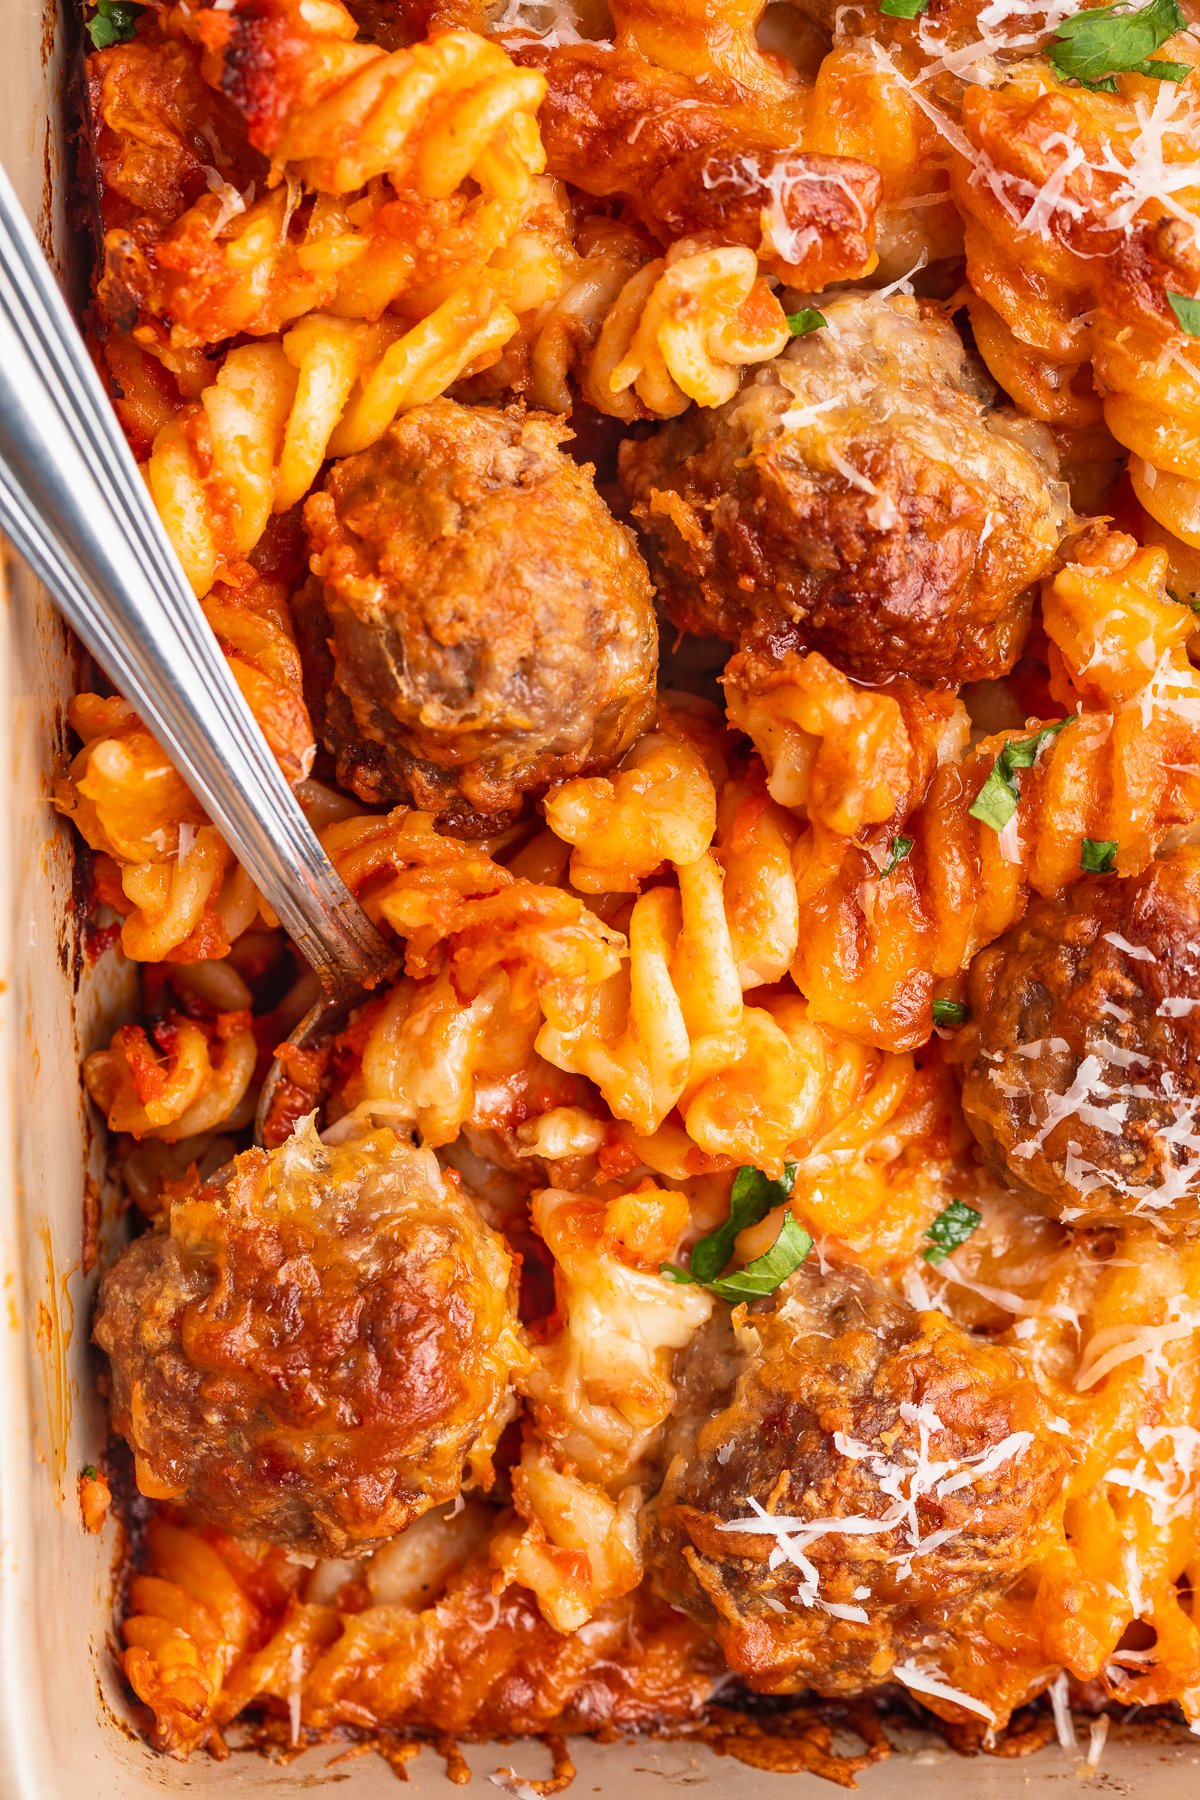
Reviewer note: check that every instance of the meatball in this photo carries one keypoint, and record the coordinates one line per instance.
(894, 1469)
(1082, 1056)
(859, 496)
(489, 625)
(315, 1352)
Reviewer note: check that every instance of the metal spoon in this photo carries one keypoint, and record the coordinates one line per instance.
(74, 504)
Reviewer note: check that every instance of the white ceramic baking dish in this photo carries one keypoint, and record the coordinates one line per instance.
(65, 1729)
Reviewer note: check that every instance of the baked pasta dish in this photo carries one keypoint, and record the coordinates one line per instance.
(703, 502)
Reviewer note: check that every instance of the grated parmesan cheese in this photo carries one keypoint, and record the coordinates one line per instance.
(552, 22)
(1060, 1704)
(798, 417)
(1164, 1474)
(1097, 1736)
(1106, 1350)
(884, 514)
(926, 1681)
(231, 202)
(295, 1687)
(512, 1783)
(904, 1483)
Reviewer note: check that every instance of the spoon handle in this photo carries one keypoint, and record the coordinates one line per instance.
(76, 508)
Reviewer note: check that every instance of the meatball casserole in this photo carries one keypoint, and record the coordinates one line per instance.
(703, 502)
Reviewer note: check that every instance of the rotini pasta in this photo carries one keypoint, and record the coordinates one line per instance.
(859, 110)
(339, 112)
(163, 867)
(729, 1250)
(873, 950)
(1077, 209)
(256, 439)
(177, 1082)
(215, 1629)
(844, 756)
(690, 158)
(647, 338)
(598, 1392)
(191, 1616)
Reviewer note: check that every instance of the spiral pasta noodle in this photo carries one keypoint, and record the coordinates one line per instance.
(1122, 770)
(844, 755)
(252, 259)
(1076, 207)
(214, 1628)
(190, 1617)
(338, 112)
(688, 39)
(182, 1078)
(256, 439)
(858, 109)
(647, 338)
(160, 863)
(598, 1397)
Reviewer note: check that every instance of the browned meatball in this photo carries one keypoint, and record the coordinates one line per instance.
(314, 1353)
(858, 496)
(490, 624)
(1082, 1055)
(893, 1468)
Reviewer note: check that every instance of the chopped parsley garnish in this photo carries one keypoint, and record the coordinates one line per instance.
(113, 23)
(768, 1271)
(1187, 311)
(754, 1195)
(806, 320)
(949, 1012)
(1098, 855)
(902, 9)
(1104, 41)
(898, 849)
(997, 798)
(950, 1230)
(88, 1472)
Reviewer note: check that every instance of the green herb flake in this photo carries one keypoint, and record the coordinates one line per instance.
(88, 1472)
(997, 799)
(806, 320)
(949, 1012)
(1098, 856)
(754, 1195)
(1093, 46)
(898, 849)
(950, 1230)
(113, 23)
(766, 1272)
(1187, 311)
(902, 9)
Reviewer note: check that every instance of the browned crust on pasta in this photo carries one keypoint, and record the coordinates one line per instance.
(613, 124)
